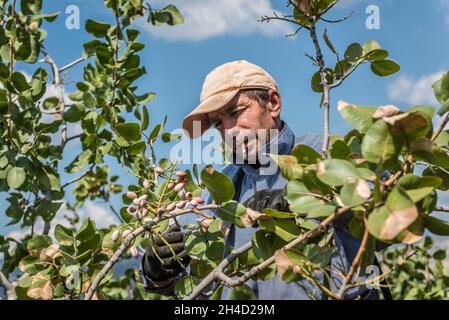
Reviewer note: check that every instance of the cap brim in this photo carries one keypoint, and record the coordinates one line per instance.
(212, 103)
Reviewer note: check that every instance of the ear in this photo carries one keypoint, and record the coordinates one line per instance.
(275, 104)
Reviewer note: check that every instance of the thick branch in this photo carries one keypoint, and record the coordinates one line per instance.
(60, 92)
(9, 287)
(326, 88)
(126, 243)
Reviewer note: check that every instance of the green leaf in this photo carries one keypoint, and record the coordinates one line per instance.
(384, 68)
(219, 185)
(306, 155)
(169, 15)
(380, 144)
(195, 245)
(290, 169)
(355, 193)
(145, 118)
(417, 188)
(441, 90)
(278, 214)
(215, 250)
(130, 132)
(184, 286)
(336, 172)
(328, 42)
(242, 292)
(96, 28)
(377, 55)
(263, 244)
(86, 231)
(74, 113)
(436, 226)
(169, 137)
(438, 172)
(316, 83)
(50, 103)
(360, 117)
(20, 82)
(424, 149)
(340, 150)
(353, 53)
(387, 222)
(31, 7)
(39, 242)
(64, 235)
(287, 230)
(232, 211)
(16, 177)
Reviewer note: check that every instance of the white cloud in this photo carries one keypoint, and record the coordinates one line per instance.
(210, 18)
(102, 216)
(414, 91)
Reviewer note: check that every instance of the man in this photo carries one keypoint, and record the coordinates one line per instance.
(237, 98)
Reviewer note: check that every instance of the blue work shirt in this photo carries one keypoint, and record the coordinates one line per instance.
(253, 181)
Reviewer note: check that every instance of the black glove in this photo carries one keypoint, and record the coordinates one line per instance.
(170, 268)
(271, 199)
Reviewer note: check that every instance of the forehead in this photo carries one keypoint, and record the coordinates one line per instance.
(239, 99)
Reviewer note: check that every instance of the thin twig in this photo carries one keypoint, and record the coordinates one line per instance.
(354, 265)
(338, 20)
(440, 128)
(71, 138)
(78, 178)
(71, 64)
(442, 209)
(126, 243)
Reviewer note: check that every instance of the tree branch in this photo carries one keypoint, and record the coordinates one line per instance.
(326, 88)
(78, 178)
(60, 92)
(218, 272)
(126, 243)
(354, 265)
(338, 20)
(440, 128)
(442, 209)
(71, 138)
(10, 289)
(71, 64)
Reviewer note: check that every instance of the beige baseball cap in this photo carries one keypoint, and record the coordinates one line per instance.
(221, 85)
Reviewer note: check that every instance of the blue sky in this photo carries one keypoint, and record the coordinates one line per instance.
(217, 31)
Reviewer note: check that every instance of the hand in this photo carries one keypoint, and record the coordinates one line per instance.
(171, 266)
(272, 199)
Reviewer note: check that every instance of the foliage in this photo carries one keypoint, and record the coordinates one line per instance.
(421, 275)
(371, 175)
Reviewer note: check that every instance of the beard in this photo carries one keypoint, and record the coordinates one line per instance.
(245, 146)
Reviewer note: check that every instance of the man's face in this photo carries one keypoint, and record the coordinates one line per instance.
(248, 122)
